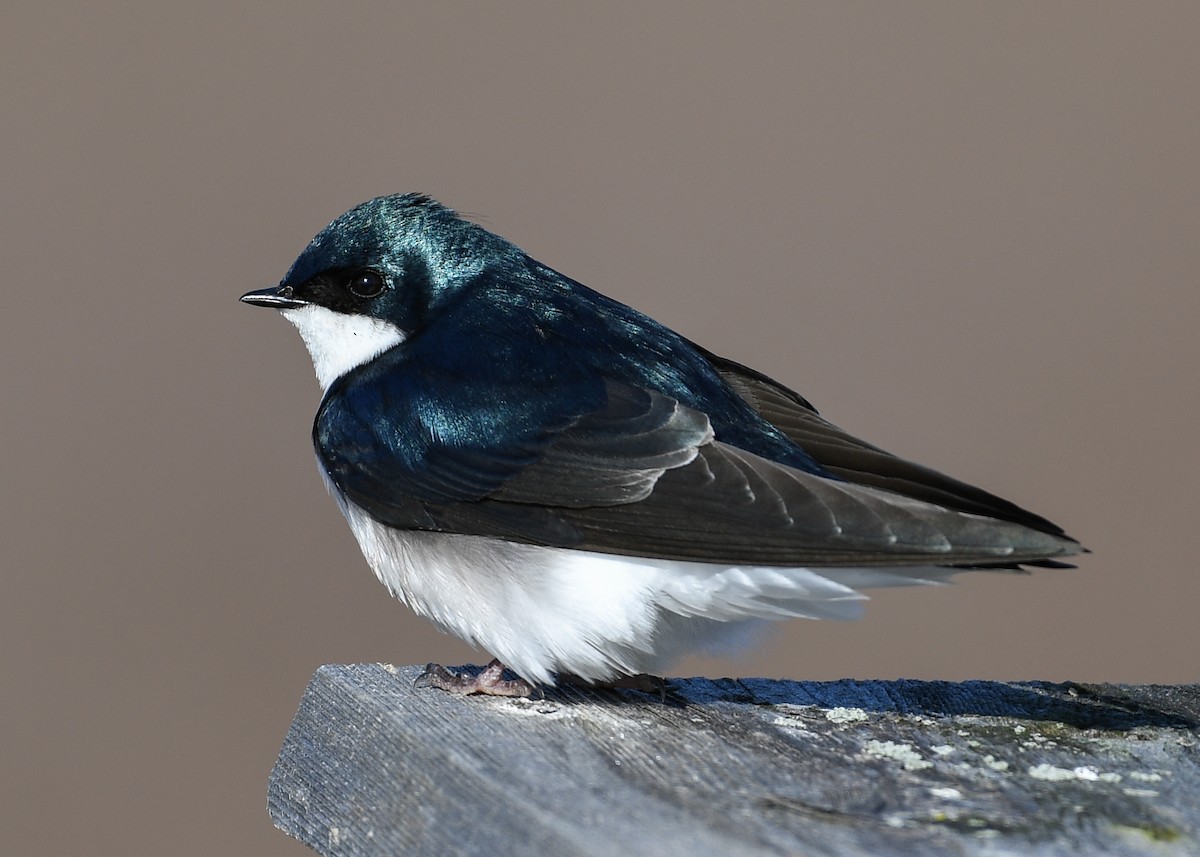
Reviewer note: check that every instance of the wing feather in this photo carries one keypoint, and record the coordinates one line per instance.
(855, 460)
(638, 473)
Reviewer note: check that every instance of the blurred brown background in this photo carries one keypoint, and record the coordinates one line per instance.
(968, 233)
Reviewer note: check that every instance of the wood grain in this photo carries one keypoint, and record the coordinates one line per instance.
(372, 766)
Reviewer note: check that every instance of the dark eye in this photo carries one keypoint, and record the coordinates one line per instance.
(366, 284)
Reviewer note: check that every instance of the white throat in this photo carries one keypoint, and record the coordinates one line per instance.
(338, 342)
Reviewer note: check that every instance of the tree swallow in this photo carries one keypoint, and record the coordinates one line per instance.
(556, 478)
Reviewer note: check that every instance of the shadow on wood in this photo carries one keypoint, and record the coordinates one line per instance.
(372, 766)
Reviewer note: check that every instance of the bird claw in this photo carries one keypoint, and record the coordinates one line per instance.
(490, 681)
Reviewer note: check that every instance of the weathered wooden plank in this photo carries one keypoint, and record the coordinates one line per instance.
(372, 766)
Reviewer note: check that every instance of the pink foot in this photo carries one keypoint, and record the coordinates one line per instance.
(490, 681)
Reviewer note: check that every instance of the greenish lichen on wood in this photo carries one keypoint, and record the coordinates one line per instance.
(732, 767)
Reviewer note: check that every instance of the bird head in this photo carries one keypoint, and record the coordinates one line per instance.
(374, 276)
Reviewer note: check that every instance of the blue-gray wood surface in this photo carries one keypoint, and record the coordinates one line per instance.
(373, 766)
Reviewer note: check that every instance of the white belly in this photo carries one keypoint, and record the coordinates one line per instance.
(599, 616)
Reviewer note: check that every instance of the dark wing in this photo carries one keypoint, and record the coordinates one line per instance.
(414, 462)
(640, 475)
(731, 506)
(855, 460)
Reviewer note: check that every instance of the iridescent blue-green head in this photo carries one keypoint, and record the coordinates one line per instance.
(397, 236)
(375, 275)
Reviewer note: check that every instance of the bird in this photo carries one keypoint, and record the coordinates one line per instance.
(580, 491)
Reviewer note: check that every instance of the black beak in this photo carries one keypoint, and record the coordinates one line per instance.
(280, 297)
